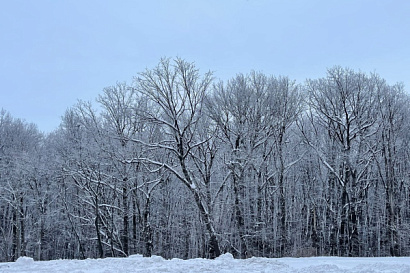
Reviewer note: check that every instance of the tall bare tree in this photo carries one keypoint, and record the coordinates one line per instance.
(343, 105)
(177, 91)
(393, 111)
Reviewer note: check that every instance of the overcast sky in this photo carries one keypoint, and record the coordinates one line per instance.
(53, 53)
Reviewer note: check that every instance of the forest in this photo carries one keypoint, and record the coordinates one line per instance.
(183, 165)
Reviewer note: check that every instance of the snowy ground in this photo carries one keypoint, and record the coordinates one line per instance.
(225, 263)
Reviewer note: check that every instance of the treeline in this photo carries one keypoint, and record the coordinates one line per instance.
(181, 165)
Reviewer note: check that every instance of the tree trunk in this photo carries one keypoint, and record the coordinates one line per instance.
(282, 202)
(282, 212)
(134, 224)
(214, 250)
(391, 230)
(97, 230)
(124, 234)
(22, 229)
(239, 221)
(15, 231)
(147, 229)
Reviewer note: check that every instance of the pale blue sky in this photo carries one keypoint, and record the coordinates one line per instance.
(55, 52)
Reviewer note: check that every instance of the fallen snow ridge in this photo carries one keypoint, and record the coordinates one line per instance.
(225, 263)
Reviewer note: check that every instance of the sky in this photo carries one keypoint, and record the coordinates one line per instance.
(54, 53)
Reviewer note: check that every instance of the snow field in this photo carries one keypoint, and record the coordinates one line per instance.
(224, 264)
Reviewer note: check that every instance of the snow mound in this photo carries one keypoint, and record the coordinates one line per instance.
(25, 260)
(136, 257)
(226, 256)
(156, 259)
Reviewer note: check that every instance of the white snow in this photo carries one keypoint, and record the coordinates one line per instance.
(25, 260)
(225, 263)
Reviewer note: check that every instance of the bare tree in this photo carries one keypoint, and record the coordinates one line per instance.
(177, 92)
(343, 105)
(393, 110)
(119, 105)
(19, 145)
(253, 113)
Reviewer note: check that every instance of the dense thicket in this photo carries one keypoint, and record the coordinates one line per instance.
(178, 164)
